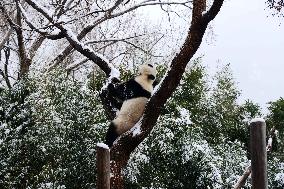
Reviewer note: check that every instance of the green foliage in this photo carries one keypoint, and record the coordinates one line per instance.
(55, 146)
(276, 115)
(49, 128)
(176, 156)
(275, 119)
(190, 93)
(16, 150)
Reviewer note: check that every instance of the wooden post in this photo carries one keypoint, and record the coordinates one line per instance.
(103, 166)
(258, 153)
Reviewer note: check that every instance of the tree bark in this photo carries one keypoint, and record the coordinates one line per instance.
(25, 62)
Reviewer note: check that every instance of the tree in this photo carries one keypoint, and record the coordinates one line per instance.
(276, 6)
(56, 28)
(127, 143)
(275, 121)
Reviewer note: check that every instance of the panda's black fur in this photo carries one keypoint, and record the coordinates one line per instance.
(130, 98)
(128, 90)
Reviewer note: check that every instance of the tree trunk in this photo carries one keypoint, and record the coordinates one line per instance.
(25, 62)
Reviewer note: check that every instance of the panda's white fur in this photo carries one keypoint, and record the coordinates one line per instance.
(133, 108)
(129, 114)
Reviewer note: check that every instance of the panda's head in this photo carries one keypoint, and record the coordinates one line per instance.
(148, 70)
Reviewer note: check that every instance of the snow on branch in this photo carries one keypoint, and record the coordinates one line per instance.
(103, 145)
(97, 58)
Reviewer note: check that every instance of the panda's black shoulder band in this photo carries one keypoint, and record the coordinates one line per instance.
(135, 90)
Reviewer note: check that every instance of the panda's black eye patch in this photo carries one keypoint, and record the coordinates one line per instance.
(150, 65)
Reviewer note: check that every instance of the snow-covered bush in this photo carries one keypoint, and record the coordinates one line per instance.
(276, 173)
(177, 156)
(49, 128)
(48, 136)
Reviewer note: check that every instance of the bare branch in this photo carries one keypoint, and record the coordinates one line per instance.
(40, 39)
(58, 35)
(71, 67)
(242, 180)
(112, 40)
(141, 49)
(124, 40)
(36, 45)
(45, 33)
(117, 3)
(102, 19)
(146, 4)
(5, 73)
(69, 35)
(24, 60)
(6, 38)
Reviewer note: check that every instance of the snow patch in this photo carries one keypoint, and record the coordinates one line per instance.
(270, 141)
(279, 177)
(257, 120)
(103, 145)
(184, 116)
(136, 131)
(114, 73)
(91, 151)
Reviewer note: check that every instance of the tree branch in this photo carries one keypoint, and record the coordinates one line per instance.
(73, 40)
(242, 180)
(63, 8)
(70, 67)
(5, 73)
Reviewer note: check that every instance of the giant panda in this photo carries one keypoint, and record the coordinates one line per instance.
(134, 95)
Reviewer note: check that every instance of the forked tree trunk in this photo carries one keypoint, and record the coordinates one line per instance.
(127, 142)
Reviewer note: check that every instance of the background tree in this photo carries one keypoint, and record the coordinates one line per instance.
(275, 121)
(276, 6)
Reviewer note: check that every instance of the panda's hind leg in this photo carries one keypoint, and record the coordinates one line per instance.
(111, 135)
